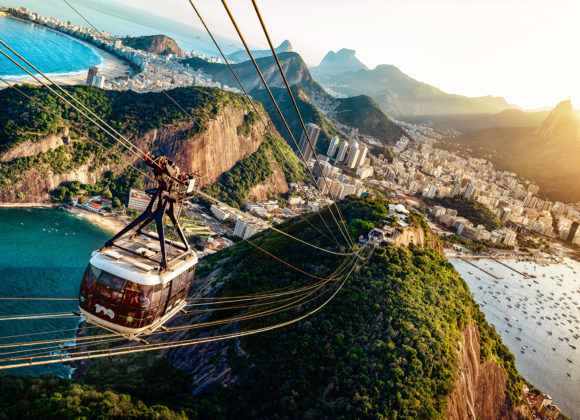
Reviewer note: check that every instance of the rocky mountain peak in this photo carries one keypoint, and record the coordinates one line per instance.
(342, 61)
(559, 121)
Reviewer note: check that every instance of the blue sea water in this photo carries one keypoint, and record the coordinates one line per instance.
(43, 253)
(49, 51)
(117, 18)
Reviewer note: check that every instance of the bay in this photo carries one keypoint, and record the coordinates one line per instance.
(525, 310)
(43, 254)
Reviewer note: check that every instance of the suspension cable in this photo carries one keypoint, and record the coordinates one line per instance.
(161, 346)
(282, 73)
(247, 96)
(340, 227)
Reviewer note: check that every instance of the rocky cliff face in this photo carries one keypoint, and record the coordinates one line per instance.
(210, 153)
(416, 235)
(480, 387)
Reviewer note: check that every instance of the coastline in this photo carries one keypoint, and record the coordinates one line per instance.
(110, 223)
(110, 67)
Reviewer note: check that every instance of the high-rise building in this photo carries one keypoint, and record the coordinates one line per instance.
(456, 190)
(92, 74)
(362, 156)
(352, 157)
(304, 145)
(469, 191)
(572, 232)
(342, 151)
(332, 147)
(99, 81)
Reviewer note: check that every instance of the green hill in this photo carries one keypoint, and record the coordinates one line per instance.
(384, 347)
(360, 112)
(365, 114)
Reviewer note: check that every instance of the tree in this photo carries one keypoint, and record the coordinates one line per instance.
(116, 202)
(82, 200)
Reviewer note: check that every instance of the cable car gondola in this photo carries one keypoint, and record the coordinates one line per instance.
(140, 279)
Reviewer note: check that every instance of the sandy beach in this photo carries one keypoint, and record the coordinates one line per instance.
(28, 205)
(111, 223)
(112, 67)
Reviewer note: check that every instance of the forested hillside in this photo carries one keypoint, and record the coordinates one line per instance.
(385, 347)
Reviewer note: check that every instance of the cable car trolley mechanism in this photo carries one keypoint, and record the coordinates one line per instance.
(140, 279)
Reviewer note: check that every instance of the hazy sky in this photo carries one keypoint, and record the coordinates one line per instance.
(524, 50)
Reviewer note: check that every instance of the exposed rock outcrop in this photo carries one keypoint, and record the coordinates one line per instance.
(210, 153)
(29, 148)
(416, 235)
(480, 387)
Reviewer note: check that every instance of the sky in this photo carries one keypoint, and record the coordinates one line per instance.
(524, 50)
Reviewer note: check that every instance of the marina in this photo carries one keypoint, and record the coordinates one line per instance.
(537, 318)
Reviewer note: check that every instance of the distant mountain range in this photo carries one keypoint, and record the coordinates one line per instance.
(361, 112)
(342, 61)
(397, 94)
(242, 55)
(548, 153)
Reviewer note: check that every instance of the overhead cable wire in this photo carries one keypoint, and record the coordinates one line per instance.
(246, 94)
(282, 73)
(161, 346)
(339, 225)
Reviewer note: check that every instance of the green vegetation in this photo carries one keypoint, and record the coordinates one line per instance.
(115, 187)
(249, 119)
(22, 120)
(234, 186)
(384, 347)
(55, 398)
(475, 212)
(365, 114)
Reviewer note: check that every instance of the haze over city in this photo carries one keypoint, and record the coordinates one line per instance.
(521, 50)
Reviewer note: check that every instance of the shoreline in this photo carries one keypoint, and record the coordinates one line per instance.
(111, 66)
(111, 223)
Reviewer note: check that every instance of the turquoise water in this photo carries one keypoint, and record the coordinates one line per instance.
(117, 18)
(43, 253)
(49, 51)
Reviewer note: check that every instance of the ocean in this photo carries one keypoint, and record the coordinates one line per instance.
(113, 17)
(43, 253)
(525, 311)
(49, 51)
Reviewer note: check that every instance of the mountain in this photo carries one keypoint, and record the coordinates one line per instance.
(402, 339)
(506, 118)
(548, 154)
(293, 65)
(400, 95)
(156, 44)
(342, 61)
(41, 155)
(361, 112)
(242, 55)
